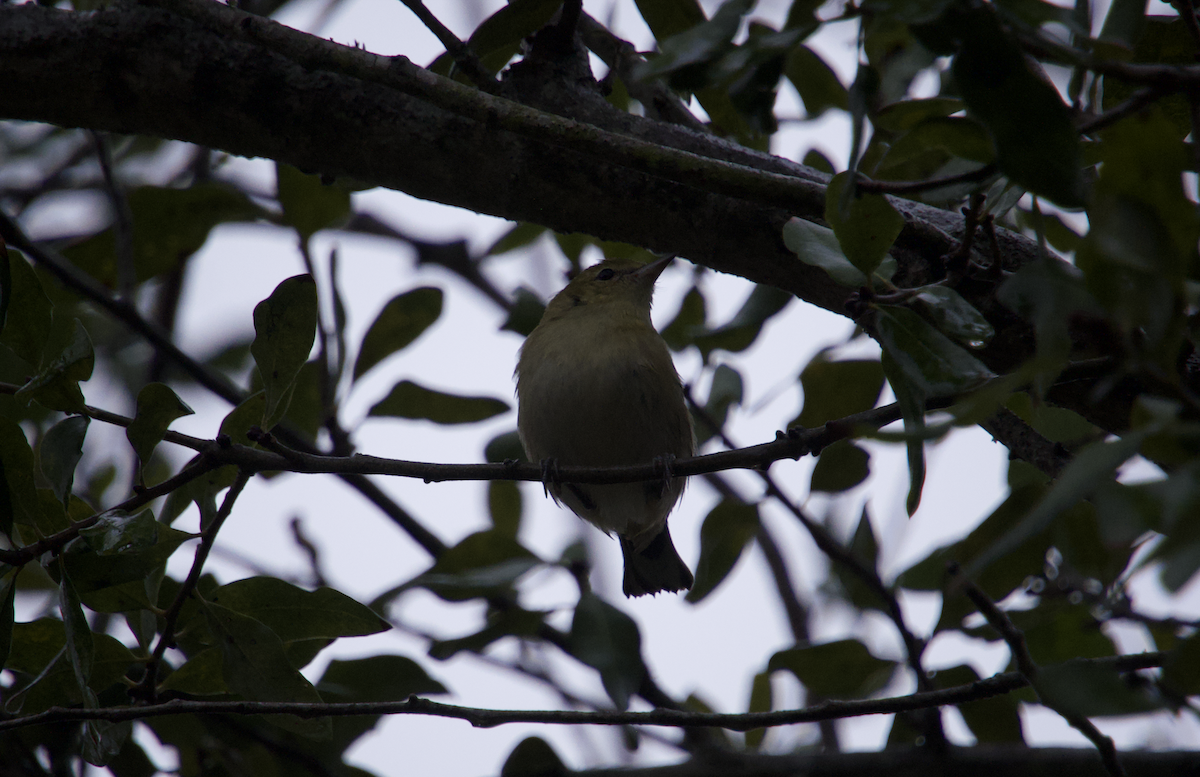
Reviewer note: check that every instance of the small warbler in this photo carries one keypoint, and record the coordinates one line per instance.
(596, 387)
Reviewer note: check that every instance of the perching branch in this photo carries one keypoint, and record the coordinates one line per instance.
(830, 710)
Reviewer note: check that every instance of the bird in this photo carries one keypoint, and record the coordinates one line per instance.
(596, 386)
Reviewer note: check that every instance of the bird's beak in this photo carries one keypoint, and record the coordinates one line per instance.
(650, 272)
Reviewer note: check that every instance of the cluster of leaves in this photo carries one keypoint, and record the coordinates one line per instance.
(1072, 541)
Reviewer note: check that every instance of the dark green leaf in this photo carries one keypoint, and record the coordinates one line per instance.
(954, 316)
(726, 531)
(508, 622)
(376, 678)
(499, 37)
(27, 319)
(504, 507)
(285, 326)
(201, 675)
(56, 387)
(911, 396)
(533, 757)
(607, 640)
(1091, 690)
(525, 313)
(1164, 40)
(994, 720)
(306, 411)
(519, 236)
(256, 667)
(1037, 144)
(670, 17)
(841, 466)
(818, 246)
(815, 159)
(169, 226)
(816, 82)
(760, 701)
(684, 55)
(902, 116)
(865, 549)
(688, 322)
(740, 331)
(726, 390)
(296, 614)
(157, 407)
(483, 564)
(78, 635)
(1124, 23)
(403, 319)
(1093, 465)
(844, 669)
(866, 225)
(1181, 673)
(8, 595)
(408, 400)
(18, 497)
(504, 447)
(38, 651)
(60, 452)
(927, 358)
(120, 549)
(836, 389)
(308, 204)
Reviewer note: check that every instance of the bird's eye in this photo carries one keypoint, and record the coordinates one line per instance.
(606, 274)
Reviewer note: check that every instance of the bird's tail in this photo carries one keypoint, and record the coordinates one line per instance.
(657, 567)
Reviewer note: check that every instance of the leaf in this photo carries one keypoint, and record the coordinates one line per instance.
(60, 452)
(818, 246)
(1037, 144)
(504, 447)
(683, 55)
(740, 331)
(911, 397)
(525, 313)
(509, 622)
(504, 507)
(308, 204)
(78, 637)
(403, 319)
(926, 357)
(482, 564)
(865, 549)
(1164, 40)
(726, 390)
(519, 235)
(18, 497)
(375, 678)
(1181, 673)
(1091, 690)
(498, 38)
(157, 407)
(866, 225)
(295, 614)
(533, 757)
(816, 82)
(56, 387)
(726, 531)
(994, 720)
(408, 400)
(670, 17)
(608, 640)
(760, 701)
(1092, 465)
(28, 314)
(120, 549)
(902, 116)
(954, 316)
(8, 596)
(844, 669)
(256, 667)
(836, 389)
(171, 224)
(39, 653)
(841, 467)
(689, 321)
(285, 326)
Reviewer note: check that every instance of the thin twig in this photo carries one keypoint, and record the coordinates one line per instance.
(166, 639)
(122, 218)
(916, 187)
(1028, 668)
(463, 56)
